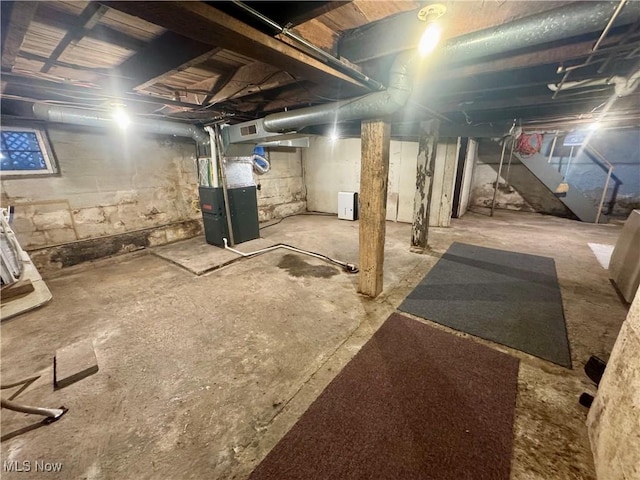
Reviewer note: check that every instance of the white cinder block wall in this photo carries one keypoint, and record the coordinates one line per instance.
(331, 166)
(281, 188)
(614, 417)
(121, 192)
(108, 184)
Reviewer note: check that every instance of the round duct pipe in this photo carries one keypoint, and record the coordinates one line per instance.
(577, 18)
(93, 118)
(377, 104)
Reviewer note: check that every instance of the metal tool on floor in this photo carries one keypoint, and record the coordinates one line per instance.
(51, 414)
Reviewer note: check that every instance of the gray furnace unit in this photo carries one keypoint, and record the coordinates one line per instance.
(243, 205)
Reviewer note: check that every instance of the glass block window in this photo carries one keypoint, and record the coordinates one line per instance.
(24, 152)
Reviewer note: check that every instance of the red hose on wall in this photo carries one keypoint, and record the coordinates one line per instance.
(529, 144)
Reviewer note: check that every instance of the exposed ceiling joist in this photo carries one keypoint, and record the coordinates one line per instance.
(520, 81)
(55, 18)
(403, 31)
(206, 24)
(58, 63)
(531, 112)
(162, 55)
(88, 19)
(541, 101)
(203, 61)
(246, 80)
(560, 54)
(39, 88)
(16, 17)
(305, 11)
(285, 12)
(277, 98)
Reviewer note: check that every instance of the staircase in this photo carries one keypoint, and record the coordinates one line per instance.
(582, 206)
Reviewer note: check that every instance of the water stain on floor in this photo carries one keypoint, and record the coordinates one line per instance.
(297, 267)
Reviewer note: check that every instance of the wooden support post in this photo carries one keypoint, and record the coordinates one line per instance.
(374, 173)
(424, 184)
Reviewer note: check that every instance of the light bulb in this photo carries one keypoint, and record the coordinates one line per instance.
(121, 118)
(430, 39)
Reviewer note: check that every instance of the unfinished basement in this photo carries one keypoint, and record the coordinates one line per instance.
(292, 240)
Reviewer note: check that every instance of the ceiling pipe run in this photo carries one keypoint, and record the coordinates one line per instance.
(92, 118)
(330, 59)
(569, 21)
(377, 104)
(572, 20)
(372, 105)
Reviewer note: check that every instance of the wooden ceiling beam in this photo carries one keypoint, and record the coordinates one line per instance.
(40, 88)
(403, 31)
(16, 17)
(55, 18)
(206, 24)
(159, 57)
(559, 55)
(88, 19)
(311, 12)
(245, 80)
(521, 101)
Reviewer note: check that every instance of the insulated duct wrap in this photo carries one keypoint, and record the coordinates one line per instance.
(572, 20)
(90, 118)
(373, 105)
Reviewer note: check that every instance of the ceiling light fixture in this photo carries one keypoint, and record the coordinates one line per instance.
(433, 31)
(121, 117)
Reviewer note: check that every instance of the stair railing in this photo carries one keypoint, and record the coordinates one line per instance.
(609, 165)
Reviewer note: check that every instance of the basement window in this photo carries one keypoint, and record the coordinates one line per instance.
(25, 152)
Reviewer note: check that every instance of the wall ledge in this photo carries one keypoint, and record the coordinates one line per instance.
(52, 259)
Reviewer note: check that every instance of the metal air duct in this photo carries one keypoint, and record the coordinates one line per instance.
(372, 105)
(572, 20)
(90, 118)
(569, 21)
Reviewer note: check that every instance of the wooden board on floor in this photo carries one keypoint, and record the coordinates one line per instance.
(38, 297)
(15, 290)
(73, 363)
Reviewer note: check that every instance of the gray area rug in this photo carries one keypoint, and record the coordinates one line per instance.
(506, 297)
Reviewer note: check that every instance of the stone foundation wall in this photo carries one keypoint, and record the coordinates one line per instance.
(120, 192)
(282, 189)
(114, 193)
(614, 417)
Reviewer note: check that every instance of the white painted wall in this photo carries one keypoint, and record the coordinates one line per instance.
(108, 184)
(281, 188)
(334, 166)
(444, 176)
(467, 176)
(112, 184)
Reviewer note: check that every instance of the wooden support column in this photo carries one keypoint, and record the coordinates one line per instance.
(374, 173)
(424, 184)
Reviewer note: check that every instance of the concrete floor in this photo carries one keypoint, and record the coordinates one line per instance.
(200, 376)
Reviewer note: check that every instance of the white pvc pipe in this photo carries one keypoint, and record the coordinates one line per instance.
(349, 266)
(215, 181)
